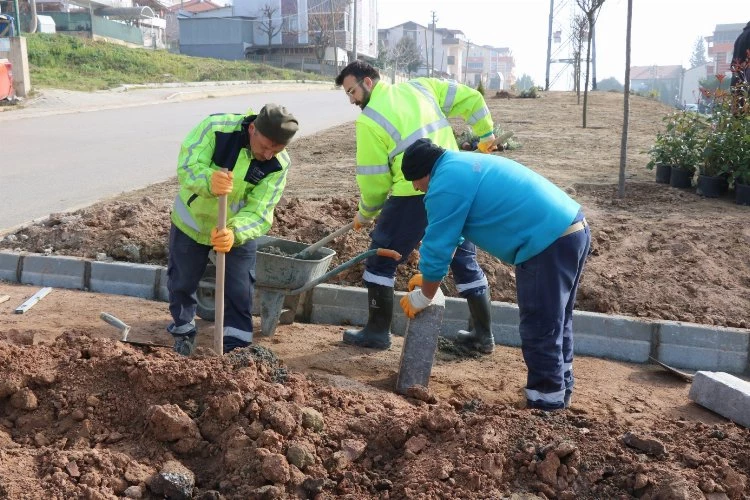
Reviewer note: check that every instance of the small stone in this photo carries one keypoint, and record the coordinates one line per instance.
(72, 469)
(133, 492)
(415, 444)
(312, 419)
(641, 480)
(24, 399)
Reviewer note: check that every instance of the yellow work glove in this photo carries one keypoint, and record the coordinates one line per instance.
(222, 239)
(361, 221)
(487, 144)
(221, 183)
(415, 282)
(414, 302)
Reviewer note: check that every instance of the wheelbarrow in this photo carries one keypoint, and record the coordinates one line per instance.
(279, 273)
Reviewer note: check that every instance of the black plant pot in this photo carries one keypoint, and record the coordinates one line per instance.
(663, 173)
(741, 193)
(681, 178)
(712, 186)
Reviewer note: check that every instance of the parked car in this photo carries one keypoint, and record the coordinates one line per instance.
(6, 79)
(691, 107)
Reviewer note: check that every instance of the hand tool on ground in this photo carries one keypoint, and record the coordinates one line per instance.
(125, 331)
(500, 140)
(319, 244)
(221, 261)
(33, 300)
(687, 377)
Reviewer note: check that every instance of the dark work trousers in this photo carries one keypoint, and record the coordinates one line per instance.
(400, 227)
(187, 263)
(546, 285)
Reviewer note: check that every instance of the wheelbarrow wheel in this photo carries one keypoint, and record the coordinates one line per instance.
(206, 308)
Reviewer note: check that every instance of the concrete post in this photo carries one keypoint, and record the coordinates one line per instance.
(420, 344)
(19, 58)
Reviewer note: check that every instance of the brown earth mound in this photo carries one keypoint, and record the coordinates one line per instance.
(93, 418)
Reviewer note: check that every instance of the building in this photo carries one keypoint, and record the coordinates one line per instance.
(691, 78)
(283, 32)
(135, 23)
(720, 47)
(454, 55)
(664, 82)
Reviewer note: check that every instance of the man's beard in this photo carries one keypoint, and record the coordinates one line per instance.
(365, 98)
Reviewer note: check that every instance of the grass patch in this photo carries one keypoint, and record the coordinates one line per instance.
(67, 62)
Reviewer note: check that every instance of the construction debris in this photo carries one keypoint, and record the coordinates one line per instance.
(33, 300)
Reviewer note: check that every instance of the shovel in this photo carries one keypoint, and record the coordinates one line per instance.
(306, 252)
(687, 377)
(125, 330)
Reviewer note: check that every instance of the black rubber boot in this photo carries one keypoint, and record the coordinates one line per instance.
(230, 343)
(479, 337)
(184, 345)
(377, 333)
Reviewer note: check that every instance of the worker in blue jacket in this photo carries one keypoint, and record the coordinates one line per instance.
(521, 218)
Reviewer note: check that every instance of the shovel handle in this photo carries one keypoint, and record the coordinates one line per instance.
(221, 223)
(117, 323)
(385, 252)
(319, 244)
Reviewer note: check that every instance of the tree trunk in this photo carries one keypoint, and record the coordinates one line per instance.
(588, 64)
(626, 107)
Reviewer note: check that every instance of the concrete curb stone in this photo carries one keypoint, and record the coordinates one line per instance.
(683, 345)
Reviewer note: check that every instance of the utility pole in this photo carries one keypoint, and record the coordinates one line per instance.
(17, 15)
(354, 33)
(432, 63)
(333, 36)
(549, 43)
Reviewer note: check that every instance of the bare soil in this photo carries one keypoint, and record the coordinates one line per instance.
(85, 416)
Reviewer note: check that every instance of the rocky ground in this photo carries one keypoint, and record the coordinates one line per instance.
(301, 415)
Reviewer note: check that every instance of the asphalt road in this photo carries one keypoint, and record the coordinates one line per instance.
(63, 162)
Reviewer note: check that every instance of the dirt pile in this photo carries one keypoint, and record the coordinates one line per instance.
(93, 418)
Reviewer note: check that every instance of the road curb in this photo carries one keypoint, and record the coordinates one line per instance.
(683, 345)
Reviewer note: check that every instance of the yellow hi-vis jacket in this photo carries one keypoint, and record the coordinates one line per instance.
(395, 117)
(222, 141)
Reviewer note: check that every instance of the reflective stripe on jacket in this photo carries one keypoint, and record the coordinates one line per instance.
(222, 141)
(395, 117)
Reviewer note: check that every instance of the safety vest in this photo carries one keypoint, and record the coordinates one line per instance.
(395, 117)
(221, 141)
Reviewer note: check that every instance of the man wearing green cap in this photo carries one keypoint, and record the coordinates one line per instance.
(251, 149)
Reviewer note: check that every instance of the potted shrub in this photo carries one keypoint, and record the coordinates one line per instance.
(679, 147)
(661, 158)
(719, 154)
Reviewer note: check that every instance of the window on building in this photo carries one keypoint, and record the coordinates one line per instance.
(291, 23)
(451, 60)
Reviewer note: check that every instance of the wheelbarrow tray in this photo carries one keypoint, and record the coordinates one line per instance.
(276, 268)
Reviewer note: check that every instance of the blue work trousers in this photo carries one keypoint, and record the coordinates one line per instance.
(546, 289)
(400, 227)
(187, 263)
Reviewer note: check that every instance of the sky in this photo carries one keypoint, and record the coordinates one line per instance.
(664, 32)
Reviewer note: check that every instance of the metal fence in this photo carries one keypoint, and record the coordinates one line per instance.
(298, 62)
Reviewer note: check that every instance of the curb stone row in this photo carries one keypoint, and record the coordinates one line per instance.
(683, 345)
